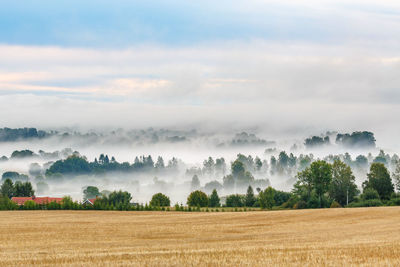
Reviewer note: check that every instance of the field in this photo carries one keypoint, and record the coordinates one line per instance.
(340, 237)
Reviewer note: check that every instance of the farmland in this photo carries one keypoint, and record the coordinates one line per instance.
(362, 236)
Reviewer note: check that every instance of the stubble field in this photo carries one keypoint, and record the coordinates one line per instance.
(329, 237)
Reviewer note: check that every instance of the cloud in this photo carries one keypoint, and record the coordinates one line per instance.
(279, 88)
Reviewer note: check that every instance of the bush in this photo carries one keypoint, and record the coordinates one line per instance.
(160, 200)
(281, 197)
(394, 202)
(366, 203)
(30, 205)
(335, 204)
(301, 204)
(7, 204)
(197, 198)
(293, 200)
(370, 193)
(177, 207)
(313, 203)
(53, 206)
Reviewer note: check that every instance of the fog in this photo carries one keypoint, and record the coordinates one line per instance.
(190, 147)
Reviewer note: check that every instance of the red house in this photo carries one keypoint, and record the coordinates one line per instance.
(38, 200)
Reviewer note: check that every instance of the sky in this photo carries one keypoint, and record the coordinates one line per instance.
(279, 66)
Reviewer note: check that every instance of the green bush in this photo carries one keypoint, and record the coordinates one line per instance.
(366, 203)
(30, 205)
(313, 203)
(370, 193)
(301, 204)
(7, 204)
(335, 204)
(177, 207)
(394, 202)
(293, 200)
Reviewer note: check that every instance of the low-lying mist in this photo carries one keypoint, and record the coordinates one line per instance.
(208, 156)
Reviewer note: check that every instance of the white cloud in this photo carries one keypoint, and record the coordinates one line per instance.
(270, 85)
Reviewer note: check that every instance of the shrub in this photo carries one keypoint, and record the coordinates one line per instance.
(313, 203)
(370, 193)
(366, 203)
(7, 204)
(293, 200)
(281, 197)
(301, 204)
(30, 205)
(394, 202)
(335, 204)
(177, 207)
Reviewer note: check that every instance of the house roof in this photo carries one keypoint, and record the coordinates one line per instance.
(37, 200)
(21, 200)
(90, 201)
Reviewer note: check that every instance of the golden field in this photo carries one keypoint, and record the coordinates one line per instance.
(328, 237)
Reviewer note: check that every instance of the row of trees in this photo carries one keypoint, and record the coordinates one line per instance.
(354, 140)
(77, 165)
(19, 189)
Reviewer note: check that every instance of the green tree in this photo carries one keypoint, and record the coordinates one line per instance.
(91, 192)
(379, 179)
(73, 165)
(237, 169)
(7, 204)
(119, 197)
(197, 198)
(7, 188)
(67, 203)
(321, 177)
(304, 185)
(160, 200)
(266, 198)
(23, 189)
(250, 198)
(234, 201)
(214, 199)
(343, 188)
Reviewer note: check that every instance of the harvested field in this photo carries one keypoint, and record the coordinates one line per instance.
(340, 237)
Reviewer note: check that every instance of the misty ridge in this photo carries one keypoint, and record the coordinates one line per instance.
(175, 162)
